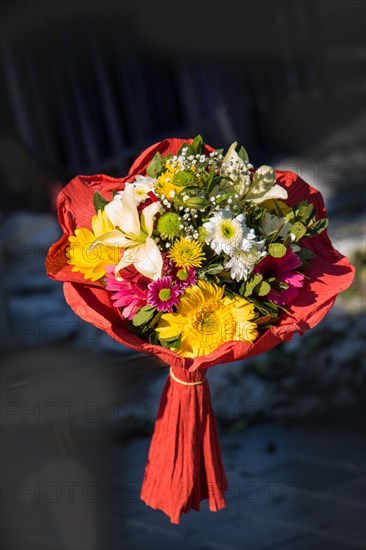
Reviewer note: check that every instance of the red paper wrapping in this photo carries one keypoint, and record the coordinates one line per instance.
(185, 463)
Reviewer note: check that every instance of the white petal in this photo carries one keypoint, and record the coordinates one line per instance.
(147, 217)
(148, 260)
(232, 155)
(123, 212)
(128, 258)
(114, 211)
(277, 192)
(112, 238)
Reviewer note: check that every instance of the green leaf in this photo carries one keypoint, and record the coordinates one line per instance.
(305, 212)
(155, 320)
(211, 270)
(154, 339)
(223, 197)
(197, 144)
(262, 288)
(299, 230)
(216, 180)
(155, 166)
(190, 150)
(143, 315)
(318, 227)
(266, 308)
(99, 202)
(170, 342)
(305, 254)
(210, 178)
(243, 154)
(278, 285)
(247, 288)
(277, 250)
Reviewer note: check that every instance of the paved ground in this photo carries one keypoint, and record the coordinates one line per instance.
(290, 489)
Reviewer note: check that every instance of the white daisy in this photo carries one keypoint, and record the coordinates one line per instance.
(244, 260)
(225, 233)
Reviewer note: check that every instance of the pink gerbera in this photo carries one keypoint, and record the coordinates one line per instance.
(184, 278)
(283, 270)
(130, 293)
(164, 294)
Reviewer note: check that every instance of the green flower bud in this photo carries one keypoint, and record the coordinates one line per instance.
(197, 203)
(168, 225)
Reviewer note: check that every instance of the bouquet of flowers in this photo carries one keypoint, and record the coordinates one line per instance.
(199, 258)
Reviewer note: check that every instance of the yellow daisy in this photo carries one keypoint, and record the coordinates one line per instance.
(92, 264)
(206, 318)
(165, 185)
(186, 254)
(166, 181)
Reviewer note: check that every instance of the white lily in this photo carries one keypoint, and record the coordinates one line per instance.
(143, 186)
(263, 185)
(133, 235)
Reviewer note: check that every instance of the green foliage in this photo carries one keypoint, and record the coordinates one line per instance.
(212, 269)
(305, 255)
(303, 218)
(299, 230)
(171, 342)
(99, 202)
(277, 250)
(143, 315)
(243, 154)
(247, 288)
(155, 166)
(194, 148)
(262, 288)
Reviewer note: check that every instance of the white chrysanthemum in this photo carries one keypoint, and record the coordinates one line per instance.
(244, 260)
(143, 186)
(225, 233)
(278, 224)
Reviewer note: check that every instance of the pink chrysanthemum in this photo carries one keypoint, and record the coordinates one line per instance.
(164, 294)
(184, 278)
(283, 270)
(130, 294)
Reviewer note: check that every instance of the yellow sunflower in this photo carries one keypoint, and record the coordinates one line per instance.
(92, 264)
(206, 318)
(186, 254)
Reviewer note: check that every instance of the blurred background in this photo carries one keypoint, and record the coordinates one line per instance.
(85, 87)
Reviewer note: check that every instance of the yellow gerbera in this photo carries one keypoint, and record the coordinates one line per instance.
(92, 263)
(186, 254)
(206, 318)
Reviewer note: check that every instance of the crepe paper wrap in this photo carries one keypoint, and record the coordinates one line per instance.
(184, 464)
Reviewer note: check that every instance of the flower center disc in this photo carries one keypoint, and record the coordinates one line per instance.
(227, 230)
(207, 322)
(165, 294)
(182, 275)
